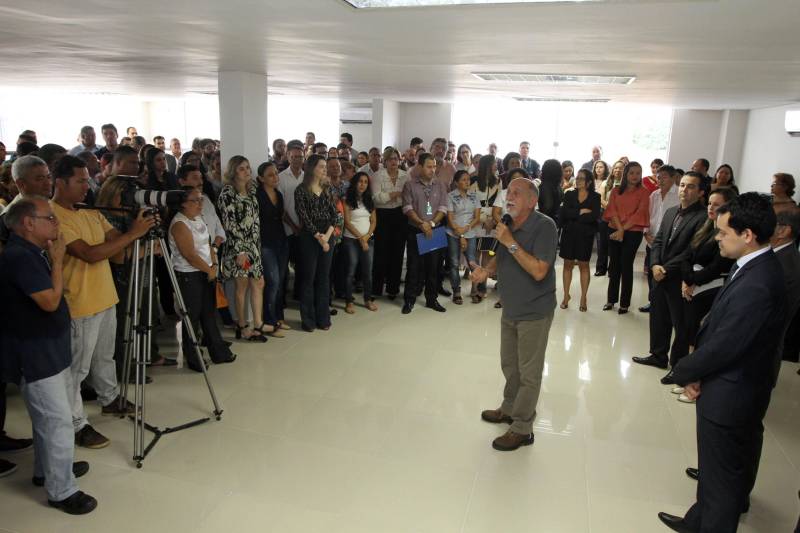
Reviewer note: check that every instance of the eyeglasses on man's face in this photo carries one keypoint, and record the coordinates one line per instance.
(52, 218)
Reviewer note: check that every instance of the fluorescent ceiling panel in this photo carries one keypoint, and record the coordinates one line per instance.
(553, 79)
(362, 4)
(554, 99)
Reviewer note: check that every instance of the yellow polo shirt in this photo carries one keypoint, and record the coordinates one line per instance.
(88, 288)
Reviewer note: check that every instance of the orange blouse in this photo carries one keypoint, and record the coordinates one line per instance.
(631, 207)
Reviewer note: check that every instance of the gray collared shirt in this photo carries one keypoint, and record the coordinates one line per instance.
(424, 200)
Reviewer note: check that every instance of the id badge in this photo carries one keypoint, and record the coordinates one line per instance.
(429, 210)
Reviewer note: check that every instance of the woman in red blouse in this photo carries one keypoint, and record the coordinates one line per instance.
(627, 215)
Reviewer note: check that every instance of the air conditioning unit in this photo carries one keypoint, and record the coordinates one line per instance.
(792, 122)
(356, 114)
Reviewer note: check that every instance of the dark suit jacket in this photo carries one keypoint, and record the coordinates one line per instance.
(789, 258)
(738, 346)
(670, 250)
(172, 163)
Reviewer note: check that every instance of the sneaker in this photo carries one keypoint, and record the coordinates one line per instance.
(87, 437)
(677, 390)
(79, 469)
(8, 444)
(7, 468)
(113, 409)
(78, 503)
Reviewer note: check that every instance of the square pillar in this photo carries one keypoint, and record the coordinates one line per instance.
(243, 116)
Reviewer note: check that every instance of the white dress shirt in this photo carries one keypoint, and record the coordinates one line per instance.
(659, 206)
(381, 186)
(371, 173)
(742, 261)
(209, 215)
(287, 184)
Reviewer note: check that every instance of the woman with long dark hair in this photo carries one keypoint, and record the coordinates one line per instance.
(724, 179)
(359, 227)
(550, 191)
(603, 184)
(315, 209)
(578, 215)
(486, 187)
(704, 270)
(627, 214)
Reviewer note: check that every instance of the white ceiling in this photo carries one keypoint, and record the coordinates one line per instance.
(685, 53)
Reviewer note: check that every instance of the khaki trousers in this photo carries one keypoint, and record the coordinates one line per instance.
(522, 348)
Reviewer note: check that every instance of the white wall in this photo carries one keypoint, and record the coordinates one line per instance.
(695, 133)
(362, 135)
(423, 120)
(732, 136)
(768, 149)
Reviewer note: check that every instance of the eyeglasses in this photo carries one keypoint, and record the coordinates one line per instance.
(196, 200)
(52, 218)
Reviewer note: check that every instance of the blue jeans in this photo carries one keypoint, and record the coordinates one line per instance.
(276, 263)
(48, 403)
(454, 248)
(357, 256)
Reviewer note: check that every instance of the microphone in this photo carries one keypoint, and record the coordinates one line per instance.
(506, 219)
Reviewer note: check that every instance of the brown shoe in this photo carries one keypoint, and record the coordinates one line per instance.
(113, 408)
(87, 437)
(496, 416)
(511, 441)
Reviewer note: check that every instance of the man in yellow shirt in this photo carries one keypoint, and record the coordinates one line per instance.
(90, 293)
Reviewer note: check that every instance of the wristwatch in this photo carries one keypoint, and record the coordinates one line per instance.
(513, 249)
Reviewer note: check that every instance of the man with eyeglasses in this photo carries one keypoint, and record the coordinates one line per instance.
(35, 347)
(89, 289)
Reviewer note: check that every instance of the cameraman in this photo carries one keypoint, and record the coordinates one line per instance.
(35, 347)
(90, 293)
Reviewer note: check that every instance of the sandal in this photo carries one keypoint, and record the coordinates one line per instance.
(277, 334)
(583, 308)
(371, 305)
(350, 309)
(565, 302)
(270, 328)
(284, 325)
(476, 298)
(458, 300)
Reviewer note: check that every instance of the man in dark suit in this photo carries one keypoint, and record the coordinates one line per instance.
(784, 243)
(667, 253)
(734, 368)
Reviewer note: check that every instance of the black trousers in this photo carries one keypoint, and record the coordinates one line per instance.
(620, 268)
(315, 283)
(165, 296)
(728, 458)
(199, 295)
(791, 343)
(695, 311)
(666, 314)
(650, 279)
(602, 247)
(390, 246)
(2, 408)
(421, 269)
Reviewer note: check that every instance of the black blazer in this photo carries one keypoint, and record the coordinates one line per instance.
(670, 250)
(738, 346)
(789, 258)
(707, 255)
(569, 215)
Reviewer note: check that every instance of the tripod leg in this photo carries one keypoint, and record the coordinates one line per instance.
(127, 342)
(184, 315)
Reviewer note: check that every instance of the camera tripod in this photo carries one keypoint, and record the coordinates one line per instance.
(138, 335)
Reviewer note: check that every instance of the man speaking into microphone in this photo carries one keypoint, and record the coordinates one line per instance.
(527, 285)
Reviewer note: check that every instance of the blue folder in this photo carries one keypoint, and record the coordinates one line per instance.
(438, 240)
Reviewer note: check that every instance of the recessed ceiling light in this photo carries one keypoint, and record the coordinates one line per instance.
(553, 79)
(364, 4)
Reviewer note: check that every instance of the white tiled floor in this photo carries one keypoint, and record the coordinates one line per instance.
(374, 427)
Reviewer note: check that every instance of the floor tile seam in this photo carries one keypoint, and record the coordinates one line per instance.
(469, 502)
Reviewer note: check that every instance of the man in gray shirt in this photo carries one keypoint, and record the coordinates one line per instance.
(524, 267)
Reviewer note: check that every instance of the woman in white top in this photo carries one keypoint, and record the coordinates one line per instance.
(390, 233)
(359, 226)
(196, 268)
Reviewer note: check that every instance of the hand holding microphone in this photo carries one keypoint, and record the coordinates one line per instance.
(502, 228)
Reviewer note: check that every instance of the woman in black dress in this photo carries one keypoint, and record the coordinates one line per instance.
(578, 217)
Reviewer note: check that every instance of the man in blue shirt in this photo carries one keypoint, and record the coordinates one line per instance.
(529, 164)
(35, 347)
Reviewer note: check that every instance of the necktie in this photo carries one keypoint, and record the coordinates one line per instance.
(732, 271)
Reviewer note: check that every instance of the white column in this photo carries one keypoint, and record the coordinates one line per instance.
(385, 123)
(243, 116)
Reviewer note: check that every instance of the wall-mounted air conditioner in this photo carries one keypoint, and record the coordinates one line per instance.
(792, 122)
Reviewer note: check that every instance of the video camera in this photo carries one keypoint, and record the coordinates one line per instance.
(134, 197)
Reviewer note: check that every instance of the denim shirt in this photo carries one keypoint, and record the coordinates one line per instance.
(463, 209)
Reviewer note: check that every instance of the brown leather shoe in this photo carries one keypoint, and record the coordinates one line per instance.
(511, 441)
(496, 416)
